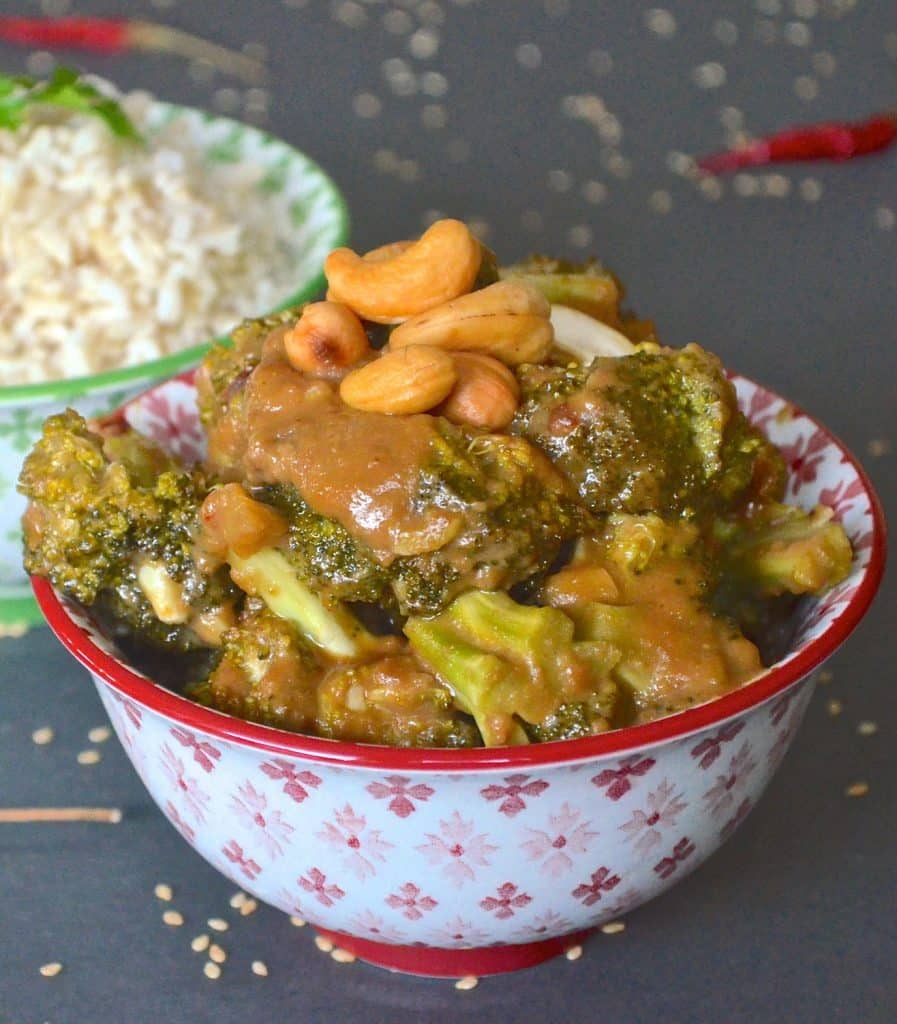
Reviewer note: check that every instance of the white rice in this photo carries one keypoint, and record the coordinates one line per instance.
(112, 254)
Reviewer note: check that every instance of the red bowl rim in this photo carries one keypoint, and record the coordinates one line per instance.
(337, 752)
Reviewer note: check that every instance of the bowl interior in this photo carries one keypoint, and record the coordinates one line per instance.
(822, 471)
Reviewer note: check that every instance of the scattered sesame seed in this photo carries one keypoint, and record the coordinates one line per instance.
(810, 190)
(40, 63)
(434, 116)
(324, 944)
(824, 63)
(200, 944)
(770, 7)
(466, 983)
(43, 736)
(218, 924)
(885, 219)
(403, 83)
(249, 907)
(731, 118)
(350, 14)
(397, 22)
(806, 87)
(211, 970)
(857, 789)
(617, 164)
(99, 734)
(50, 970)
(776, 185)
(424, 43)
(434, 83)
(600, 62)
(573, 953)
(54, 8)
(226, 100)
(430, 13)
(260, 968)
(217, 954)
(661, 22)
(613, 927)
(805, 8)
(163, 892)
(532, 220)
(528, 56)
(173, 918)
(238, 899)
(867, 728)
(797, 34)
(580, 236)
(660, 201)
(879, 446)
(297, 922)
(710, 75)
(88, 757)
(834, 707)
(680, 163)
(342, 956)
(594, 191)
(825, 676)
(560, 181)
(745, 184)
(711, 188)
(725, 31)
(385, 160)
(366, 105)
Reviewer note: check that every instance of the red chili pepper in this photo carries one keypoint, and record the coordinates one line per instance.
(114, 35)
(830, 141)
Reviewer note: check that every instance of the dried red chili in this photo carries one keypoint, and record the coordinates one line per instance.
(115, 35)
(829, 141)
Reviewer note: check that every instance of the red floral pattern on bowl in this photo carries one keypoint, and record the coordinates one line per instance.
(456, 862)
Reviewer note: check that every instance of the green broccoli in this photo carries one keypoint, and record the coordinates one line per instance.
(111, 522)
(511, 666)
(588, 287)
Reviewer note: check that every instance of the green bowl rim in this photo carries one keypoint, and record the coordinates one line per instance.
(74, 387)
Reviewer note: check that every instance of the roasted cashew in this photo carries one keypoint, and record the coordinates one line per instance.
(441, 265)
(411, 380)
(326, 340)
(485, 395)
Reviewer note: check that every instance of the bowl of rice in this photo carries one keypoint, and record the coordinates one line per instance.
(121, 262)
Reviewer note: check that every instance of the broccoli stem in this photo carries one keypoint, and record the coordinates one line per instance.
(331, 627)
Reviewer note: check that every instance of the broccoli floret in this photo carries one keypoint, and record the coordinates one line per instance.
(509, 663)
(112, 522)
(785, 550)
(588, 287)
(657, 431)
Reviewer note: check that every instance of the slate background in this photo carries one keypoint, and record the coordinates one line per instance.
(794, 919)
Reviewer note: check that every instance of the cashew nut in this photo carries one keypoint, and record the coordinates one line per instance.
(507, 320)
(441, 265)
(485, 395)
(414, 379)
(585, 337)
(326, 340)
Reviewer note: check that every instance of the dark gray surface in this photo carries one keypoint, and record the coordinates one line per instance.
(794, 919)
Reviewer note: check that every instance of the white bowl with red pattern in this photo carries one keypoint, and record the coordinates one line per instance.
(454, 862)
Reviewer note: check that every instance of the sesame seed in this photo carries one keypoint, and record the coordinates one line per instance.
(466, 983)
(824, 64)
(745, 184)
(613, 927)
(50, 970)
(857, 789)
(731, 118)
(238, 899)
(806, 87)
(54, 8)
(433, 116)
(200, 944)
(430, 13)
(342, 956)
(211, 970)
(825, 676)
(99, 734)
(711, 188)
(424, 44)
(260, 968)
(433, 83)
(797, 34)
(532, 220)
(810, 190)
(725, 31)
(805, 8)
(173, 918)
(217, 954)
(40, 63)
(660, 201)
(249, 907)
(226, 100)
(573, 953)
(580, 236)
(885, 218)
(770, 7)
(350, 14)
(42, 736)
(600, 62)
(218, 924)
(834, 707)
(366, 105)
(560, 181)
(680, 163)
(528, 56)
(397, 22)
(879, 446)
(88, 757)
(297, 922)
(163, 892)
(776, 185)
(324, 944)
(709, 76)
(385, 160)
(594, 191)
(660, 22)
(867, 728)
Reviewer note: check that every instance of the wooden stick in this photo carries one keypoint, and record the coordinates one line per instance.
(26, 815)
